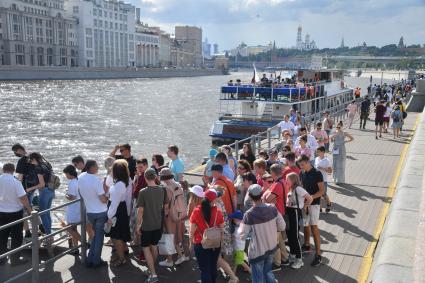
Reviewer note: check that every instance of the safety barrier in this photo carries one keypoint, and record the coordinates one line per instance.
(36, 240)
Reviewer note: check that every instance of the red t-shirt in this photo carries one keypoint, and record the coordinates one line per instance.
(198, 219)
(277, 188)
(139, 184)
(287, 170)
(260, 180)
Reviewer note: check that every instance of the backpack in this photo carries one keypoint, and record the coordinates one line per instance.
(212, 236)
(54, 182)
(396, 117)
(178, 209)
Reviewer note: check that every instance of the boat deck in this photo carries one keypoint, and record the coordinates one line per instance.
(347, 232)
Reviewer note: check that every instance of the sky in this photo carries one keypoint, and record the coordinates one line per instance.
(258, 22)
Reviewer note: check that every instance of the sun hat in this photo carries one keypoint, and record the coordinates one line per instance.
(197, 191)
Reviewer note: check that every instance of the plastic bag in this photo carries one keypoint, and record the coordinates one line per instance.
(166, 245)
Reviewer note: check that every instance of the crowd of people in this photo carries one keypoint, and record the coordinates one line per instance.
(259, 201)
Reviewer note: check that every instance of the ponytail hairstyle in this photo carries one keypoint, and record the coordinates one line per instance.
(206, 210)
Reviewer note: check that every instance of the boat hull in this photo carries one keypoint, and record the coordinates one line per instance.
(225, 131)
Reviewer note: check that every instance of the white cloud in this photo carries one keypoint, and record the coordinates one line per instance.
(229, 22)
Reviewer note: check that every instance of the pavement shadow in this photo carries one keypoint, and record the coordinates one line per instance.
(353, 191)
(50, 275)
(334, 219)
(336, 207)
(322, 273)
(80, 273)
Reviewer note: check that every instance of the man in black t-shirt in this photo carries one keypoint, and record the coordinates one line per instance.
(125, 150)
(23, 168)
(312, 182)
(364, 112)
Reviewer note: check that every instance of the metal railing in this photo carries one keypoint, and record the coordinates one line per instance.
(263, 140)
(36, 240)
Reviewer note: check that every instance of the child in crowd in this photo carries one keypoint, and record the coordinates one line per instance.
(73, 212)
(323, 164)
(239, 244)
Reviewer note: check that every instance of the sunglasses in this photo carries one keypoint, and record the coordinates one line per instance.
(269, 181)
(241, 168)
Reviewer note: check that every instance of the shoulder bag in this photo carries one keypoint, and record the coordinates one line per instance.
(285, 216)
(212, 236)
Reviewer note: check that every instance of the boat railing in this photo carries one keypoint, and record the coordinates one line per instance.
(287, 93)
(36, 240)
(264, 140)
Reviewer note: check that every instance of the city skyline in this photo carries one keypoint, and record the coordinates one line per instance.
(258, 22)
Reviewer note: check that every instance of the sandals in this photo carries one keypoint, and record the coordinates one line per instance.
(118, 262)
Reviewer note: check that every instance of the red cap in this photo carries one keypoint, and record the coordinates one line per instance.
(210, 195)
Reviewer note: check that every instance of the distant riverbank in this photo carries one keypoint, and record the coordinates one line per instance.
(10, 73)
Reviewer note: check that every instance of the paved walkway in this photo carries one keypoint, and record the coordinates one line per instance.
(346, 232)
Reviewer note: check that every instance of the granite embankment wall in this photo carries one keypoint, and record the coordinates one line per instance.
(16, 73)
(399, 257)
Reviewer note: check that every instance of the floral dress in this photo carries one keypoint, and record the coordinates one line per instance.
(227, 245)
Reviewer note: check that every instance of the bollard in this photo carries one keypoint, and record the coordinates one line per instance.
(269, 140)
(83, 232)
(237, 149)
(35, 258)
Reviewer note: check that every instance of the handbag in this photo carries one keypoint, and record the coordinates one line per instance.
(166, 245)
(300, 215)
(212, 236)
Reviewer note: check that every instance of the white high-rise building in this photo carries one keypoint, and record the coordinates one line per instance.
(36, 33)
(106, 30)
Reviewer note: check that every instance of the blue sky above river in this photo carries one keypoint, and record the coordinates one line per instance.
(228, 22)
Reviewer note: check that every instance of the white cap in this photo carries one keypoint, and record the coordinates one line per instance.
(197, 191)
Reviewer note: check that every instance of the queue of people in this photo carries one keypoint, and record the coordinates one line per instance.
(259, 201)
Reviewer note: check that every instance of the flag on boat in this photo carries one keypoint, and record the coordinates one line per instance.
(255, 78)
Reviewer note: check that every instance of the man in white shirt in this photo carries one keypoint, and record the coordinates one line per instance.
(311, 142)
(323, 164)
(13, 199)
(287, 125)
(91, 191)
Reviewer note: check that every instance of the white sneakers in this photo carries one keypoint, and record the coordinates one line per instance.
(297, 264)
(166, 263)
(181, 259)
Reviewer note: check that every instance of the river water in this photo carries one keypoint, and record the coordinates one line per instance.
(62, 119)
